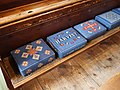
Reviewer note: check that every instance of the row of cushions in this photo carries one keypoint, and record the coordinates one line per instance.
(34, 55)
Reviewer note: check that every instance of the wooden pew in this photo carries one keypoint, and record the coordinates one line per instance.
(44, 18)
(27, 22)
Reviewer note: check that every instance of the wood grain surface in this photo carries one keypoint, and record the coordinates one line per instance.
(25, 24)
(18, 80)
(14, 3)
(86, 71)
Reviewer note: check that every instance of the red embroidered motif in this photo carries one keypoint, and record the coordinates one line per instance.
(47, 52)
(28, 71)
(36, 56)
(25, 63)
(32, 51)
(39, 48)
(38, 42)
(28, 47)
(17, 51)
(75, 39)
(90, 26)
(61, 44)
(50, 59)
(25, 55)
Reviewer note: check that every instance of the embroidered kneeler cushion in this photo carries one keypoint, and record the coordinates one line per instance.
(109, 19)
(117, 10)
(66, 42)
(90, 29)
(32, 56)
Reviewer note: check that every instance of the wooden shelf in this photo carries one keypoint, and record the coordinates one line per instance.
(18, 80)
(44, 18)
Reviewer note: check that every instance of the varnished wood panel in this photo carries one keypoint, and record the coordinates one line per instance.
(49, 22)
(86, 71)
(14, 3)
(18, 80)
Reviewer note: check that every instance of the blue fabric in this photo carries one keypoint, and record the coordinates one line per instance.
(66, 42)
(109, 19)
(33, 55)
(90, 29)
(117, 10)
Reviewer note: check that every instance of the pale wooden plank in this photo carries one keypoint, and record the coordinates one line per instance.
(18, 80)
(64, 78)
(32, 85)
(73, 70)
(81, 77)
(68, 76)
(49, 82)
(103, 66)
(116, 39)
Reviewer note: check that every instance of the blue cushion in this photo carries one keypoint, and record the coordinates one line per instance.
(109, 19)
(66, 42)
(117, 10)
(90, 29)
(32, 56)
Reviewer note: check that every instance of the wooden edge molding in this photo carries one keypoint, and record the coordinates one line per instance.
(20, 80)
(17, 13)
(45, 17)
(53, 14)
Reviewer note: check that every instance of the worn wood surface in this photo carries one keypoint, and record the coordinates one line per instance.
(18, 80)
(6, 76)
(44, 18)
(86, 71)
(14, 3)
(32, 9)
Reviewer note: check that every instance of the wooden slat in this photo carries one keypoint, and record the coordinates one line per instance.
(32, 9)
(18, 80)
(32, 85)
(101, 62)
(71, 76)
(14, 3)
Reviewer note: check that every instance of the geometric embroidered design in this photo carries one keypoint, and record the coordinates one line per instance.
(36, 56)
(111, 16)
(92, 26)
(32, 51)
(61, 44)
(75, 39)
(39, 48)
(25, 63)
(47, 52)
(38, 42)
(51, 59)
(40, 65)
(17, 51)
(28, 47)
(25, 55)
(28, 71)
